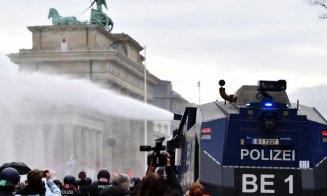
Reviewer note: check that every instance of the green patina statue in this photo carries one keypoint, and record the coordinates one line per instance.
(100, 18)
(97, 17)
(100, 3)
(59, 20)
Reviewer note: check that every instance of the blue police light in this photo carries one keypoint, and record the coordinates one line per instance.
(247, 104)
(268, 104)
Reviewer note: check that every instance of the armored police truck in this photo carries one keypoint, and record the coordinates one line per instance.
(252, 143)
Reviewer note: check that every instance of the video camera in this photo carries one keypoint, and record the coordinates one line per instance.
(156, 158)
(265, 85)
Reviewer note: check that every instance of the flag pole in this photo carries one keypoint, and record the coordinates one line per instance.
(199, 86)
(145, 121)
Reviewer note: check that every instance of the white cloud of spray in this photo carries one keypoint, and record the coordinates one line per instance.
(36, 107)
(19, 89)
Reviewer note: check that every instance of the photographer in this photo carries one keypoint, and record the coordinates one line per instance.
(172, 185)
(160, 179)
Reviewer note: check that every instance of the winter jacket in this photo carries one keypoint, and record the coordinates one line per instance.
(32, 190)
(52, 189)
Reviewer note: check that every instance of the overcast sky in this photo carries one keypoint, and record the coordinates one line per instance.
(191, 40)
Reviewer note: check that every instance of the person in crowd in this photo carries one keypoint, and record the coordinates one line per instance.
(102, 182)
(58, 183)
(70, 187)
(152, 185)
(9, 178)
(84, 184)
(172, 185)
(81, 176)
(88, 179)
(122, 180)
(114, 191)
(196, 189)
(134, 182)
(158, 183)
(35, 185)
(120, 186)
(51, 188)
(21, 185)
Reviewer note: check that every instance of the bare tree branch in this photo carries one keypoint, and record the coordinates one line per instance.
(323, 16)
(322, 3)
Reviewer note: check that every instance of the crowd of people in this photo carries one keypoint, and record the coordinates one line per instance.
(40, 183)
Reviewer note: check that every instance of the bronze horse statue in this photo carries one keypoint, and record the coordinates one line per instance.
(59, 20)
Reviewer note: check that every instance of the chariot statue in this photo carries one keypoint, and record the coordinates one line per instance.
(97, 16)
(100, 3)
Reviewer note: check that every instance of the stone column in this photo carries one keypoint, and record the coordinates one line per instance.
(130, 148)
(68, 144)
(8, 142)
(78, 148)
(28, 141)
(68, 137)
(109, 143)
(137, 164)
(92, 146)
(99, 150)
(53, 148)
(85, 148)
(39, 148)
(123, 150)
(18, 142)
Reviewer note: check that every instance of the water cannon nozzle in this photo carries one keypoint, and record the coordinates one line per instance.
(221, 83)
(222, 92)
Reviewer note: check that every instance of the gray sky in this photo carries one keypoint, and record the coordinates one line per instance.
(191, 40)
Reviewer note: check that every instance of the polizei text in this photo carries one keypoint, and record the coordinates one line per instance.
(268, 155)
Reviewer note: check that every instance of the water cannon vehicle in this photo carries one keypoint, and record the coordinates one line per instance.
(252, 143)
